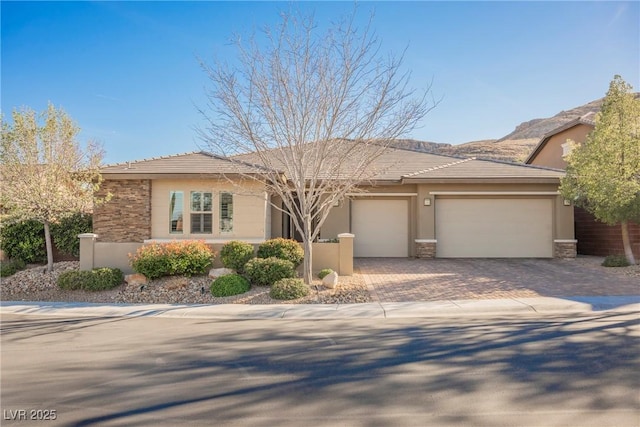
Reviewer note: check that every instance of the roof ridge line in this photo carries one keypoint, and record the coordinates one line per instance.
(439, 167)
(129, 162)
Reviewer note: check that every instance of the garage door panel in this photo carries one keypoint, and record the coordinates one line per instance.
(381, 227)
(494, 228)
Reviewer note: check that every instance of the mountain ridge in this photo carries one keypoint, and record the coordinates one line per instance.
(513, 147)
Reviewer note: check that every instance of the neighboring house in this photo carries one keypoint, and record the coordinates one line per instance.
(594, 237)
(419, 205)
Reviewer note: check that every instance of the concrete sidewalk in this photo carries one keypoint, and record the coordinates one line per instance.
(389, 310)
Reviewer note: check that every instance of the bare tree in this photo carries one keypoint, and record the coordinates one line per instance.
(45, 174)
(315, 109)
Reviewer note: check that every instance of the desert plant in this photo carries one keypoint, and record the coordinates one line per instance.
(267, 271)
(176, 258)
(228, 285)
(324, 272)
(23, 240)
(235, 255)
(11, 267)
(99, 279)
(615, 261)
(282, 248)
(288, 289)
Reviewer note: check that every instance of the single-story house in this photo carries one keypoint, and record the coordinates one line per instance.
(419, 205)
(594, 237)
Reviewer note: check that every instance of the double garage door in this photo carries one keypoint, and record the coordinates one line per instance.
(465, 227)
(494, 228)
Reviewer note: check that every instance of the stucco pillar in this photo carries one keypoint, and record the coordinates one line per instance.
(346, 254)
(87, 244)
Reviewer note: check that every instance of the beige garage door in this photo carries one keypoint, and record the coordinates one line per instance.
(494, 228)
(381, 227)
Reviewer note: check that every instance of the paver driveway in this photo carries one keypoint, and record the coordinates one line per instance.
(406, 279)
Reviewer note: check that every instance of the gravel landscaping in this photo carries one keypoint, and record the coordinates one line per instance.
(33, 285)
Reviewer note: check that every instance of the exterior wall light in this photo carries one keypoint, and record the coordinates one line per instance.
(567, 202)
(427, 201)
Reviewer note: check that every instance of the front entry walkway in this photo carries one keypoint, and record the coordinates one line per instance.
(407, 279)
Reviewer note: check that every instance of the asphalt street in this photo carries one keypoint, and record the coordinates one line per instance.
(498, 370)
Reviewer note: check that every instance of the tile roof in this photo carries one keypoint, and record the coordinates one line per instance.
(394, 165)
(398, 165)
(187, 163)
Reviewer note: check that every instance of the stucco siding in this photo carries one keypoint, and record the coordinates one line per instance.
(249, 209)
(551, 154)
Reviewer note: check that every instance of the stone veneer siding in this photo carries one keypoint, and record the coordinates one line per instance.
(425, 249)
(564, 249)
(126, 218)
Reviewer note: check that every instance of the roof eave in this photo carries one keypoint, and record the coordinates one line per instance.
(492, 180)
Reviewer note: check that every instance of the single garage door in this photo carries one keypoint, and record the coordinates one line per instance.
(494, 228)
(381, 227)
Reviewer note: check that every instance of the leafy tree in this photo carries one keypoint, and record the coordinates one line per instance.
(603, 174)
(46, 175)
(315, 109)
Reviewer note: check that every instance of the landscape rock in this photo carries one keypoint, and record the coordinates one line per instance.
(330, 280)
(214, 273)
(135, 279)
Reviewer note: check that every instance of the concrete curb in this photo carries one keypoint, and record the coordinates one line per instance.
(388, 310)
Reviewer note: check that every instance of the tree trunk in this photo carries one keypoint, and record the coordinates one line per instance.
(626, 242)
(47, 239)
(308, 261)
(308, 251)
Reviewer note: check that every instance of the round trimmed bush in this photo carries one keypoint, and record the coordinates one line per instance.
(104, 278)
(282, 248)
(11, 267)
(235, 255)
(615, 261)
(228, 285)
(267, 271)
(99, 279)
(324, 272)
(289, 289)
(188, 258)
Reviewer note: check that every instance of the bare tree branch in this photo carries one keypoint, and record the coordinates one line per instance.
(315, 107)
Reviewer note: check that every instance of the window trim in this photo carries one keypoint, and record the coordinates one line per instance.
(179, 219)
(202, 213)
(220, 216)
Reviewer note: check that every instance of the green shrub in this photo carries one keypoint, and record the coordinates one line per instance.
(11, 267)
(73, 280)
(23, 240)
(289, 289)
(267, 271)
(99, 279)
(104, 278)
(615, 261)
(65, 233)
(229, 284)
(324, 272)
(235, 255)
(176, 258)
(283, 249)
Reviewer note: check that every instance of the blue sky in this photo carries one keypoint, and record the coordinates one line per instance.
(128, 72)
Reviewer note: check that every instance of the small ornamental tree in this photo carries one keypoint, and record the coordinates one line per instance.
(315, 107)
(603, 174)
(46, 175)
